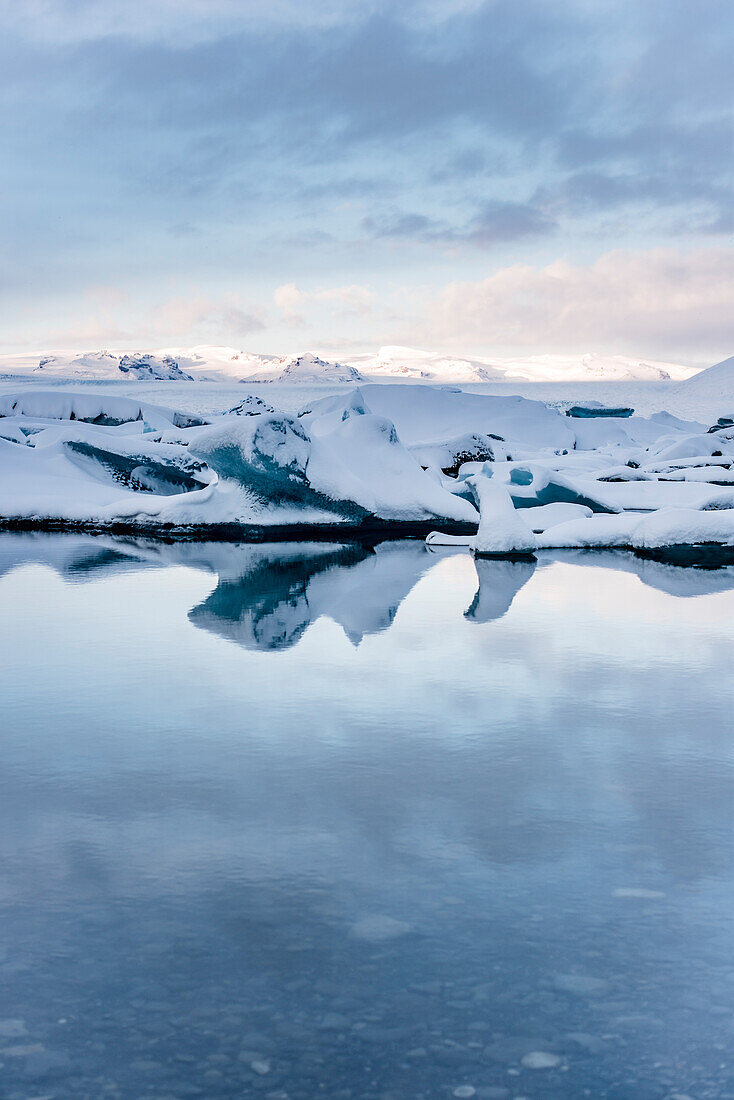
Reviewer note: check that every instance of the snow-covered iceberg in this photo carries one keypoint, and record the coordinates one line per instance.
(104, 461)
(502, 529)
(104, 410)
(376, 459)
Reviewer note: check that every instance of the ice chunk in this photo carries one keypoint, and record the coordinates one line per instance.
(141, 472)
(684, 527)
(531, 485)
(667, 420)
(595, 409)
(501, 531)
(352, 464)
(440, 538)
(549, 515)
(251, 406)
(692, 446)
(540, 1059)
(362, 458)
(595, 532)
(452, 454)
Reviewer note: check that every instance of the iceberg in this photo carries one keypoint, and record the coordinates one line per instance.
(501, 475)
(594, 409)
(502, 531)
(103, 461)
(104, 410)
(427, 415)
(251, 406)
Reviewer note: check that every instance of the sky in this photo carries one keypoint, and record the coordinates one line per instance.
(478, 176)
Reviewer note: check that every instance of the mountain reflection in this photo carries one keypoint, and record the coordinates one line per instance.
(267, 595)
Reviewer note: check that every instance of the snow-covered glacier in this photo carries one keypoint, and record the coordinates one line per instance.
(507, 475)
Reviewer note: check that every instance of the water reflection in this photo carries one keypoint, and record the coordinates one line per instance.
(267, 596)
(499, 583)
(394, 859)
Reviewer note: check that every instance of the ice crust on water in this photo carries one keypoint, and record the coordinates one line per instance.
(395, 453)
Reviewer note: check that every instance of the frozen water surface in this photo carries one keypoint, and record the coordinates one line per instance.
(303, 821)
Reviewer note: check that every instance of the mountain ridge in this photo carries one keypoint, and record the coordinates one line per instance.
(213, 363)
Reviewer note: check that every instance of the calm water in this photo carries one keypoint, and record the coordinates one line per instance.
(302, 822)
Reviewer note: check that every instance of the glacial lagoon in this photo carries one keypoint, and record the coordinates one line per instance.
(363, 823)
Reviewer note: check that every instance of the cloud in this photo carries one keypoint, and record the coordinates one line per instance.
(662, 301)
(500, 222)
(342, 301)
(495, 223)
(107, 316)
(226, 316)
(290, 301)
(259, 145)
(186, 21)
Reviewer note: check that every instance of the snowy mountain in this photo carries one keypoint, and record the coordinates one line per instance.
(224, 364)
(309, 370)
(714, 384)
(153, 368)
(591, 367)
(207, 362)
(412, 363)
(96, 365)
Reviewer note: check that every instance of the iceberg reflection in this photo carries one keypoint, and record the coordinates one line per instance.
(267, 595)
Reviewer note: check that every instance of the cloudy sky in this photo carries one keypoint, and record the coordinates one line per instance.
(496, 176)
